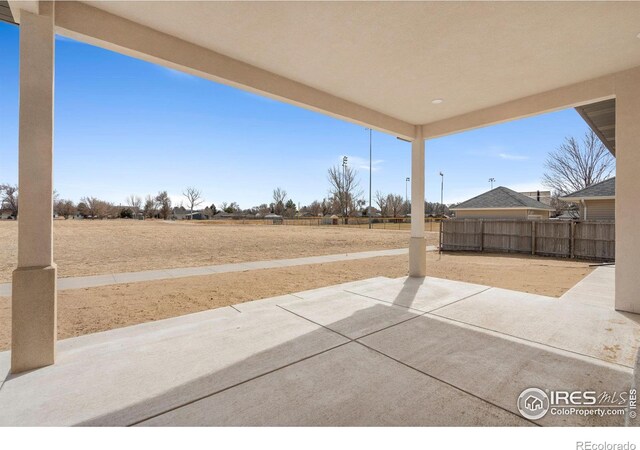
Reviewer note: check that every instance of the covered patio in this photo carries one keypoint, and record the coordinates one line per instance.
(341, 355)
(407, 351)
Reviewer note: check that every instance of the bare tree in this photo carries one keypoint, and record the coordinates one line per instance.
(194, 198)
(315, 208)
(135, 203)
(150, 206)
(395, 205)
(164, 204)
(574, 166)
(96, 208)
(344, 188)
(65, 208)
(279, 197)
(381, 201)
(9, 198)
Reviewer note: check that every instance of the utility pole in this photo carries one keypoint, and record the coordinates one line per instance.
(370, 175)
(344, 186)
(442, 191)
(406, 189)
(492, 180)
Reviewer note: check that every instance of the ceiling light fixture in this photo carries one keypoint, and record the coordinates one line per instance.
(437, 101)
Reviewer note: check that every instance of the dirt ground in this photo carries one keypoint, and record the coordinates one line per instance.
(87, 247)
(84, 311)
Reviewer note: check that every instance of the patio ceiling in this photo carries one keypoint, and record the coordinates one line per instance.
(379, 64)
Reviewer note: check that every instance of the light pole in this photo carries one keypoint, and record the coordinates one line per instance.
(442, 191)
(406, 189)
(370, 175)
(492, 180)
(344, 186)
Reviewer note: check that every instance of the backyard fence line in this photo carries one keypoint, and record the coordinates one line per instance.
(383, 223)
(575, 239)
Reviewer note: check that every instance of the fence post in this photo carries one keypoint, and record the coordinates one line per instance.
(572, 237)
(481, 235)
(533, 237)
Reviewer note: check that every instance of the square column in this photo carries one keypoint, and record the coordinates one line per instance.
(417, 246)
(33, 302)
(627, 192)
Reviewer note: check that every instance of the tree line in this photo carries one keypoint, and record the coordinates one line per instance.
(344, 198)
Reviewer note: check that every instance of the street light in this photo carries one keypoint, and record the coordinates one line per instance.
(344, 185)
(442, 191)
(492, 180)
(370, 175)
(406, 189)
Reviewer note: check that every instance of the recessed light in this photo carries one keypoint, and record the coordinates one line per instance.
(437, 101)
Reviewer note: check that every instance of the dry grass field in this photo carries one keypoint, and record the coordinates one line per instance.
(86, 247)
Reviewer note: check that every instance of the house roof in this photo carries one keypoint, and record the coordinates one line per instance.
(501, 198)
(604, 189)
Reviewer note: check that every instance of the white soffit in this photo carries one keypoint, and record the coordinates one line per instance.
(396, 57)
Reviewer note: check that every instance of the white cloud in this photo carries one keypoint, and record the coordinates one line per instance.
(512, 156)
(362, 164)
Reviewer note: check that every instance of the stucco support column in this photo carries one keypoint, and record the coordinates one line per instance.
(627, 193)
(417, 247)
(33, 317)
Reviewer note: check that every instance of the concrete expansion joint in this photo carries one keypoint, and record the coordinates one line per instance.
(549, 347)
(219, 391)
(357, 341)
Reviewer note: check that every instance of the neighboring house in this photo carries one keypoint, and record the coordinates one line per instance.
(502, 203)
(596, 202)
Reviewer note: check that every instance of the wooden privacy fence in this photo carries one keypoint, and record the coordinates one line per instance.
(585, 240)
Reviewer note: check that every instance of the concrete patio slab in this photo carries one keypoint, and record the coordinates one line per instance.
(347, 386)
(596, 289)
(271, 302)
(320, 292)
(119, 381)
(277, 361)
(350, 314)
(496, 368)
(424, 294)
(601, 333)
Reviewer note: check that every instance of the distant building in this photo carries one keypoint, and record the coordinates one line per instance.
(502, 203)
(596, 202)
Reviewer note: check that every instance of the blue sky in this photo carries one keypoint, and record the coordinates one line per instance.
(125, 126)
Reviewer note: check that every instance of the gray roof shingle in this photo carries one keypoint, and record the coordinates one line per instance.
(501, 197)
(606, 188)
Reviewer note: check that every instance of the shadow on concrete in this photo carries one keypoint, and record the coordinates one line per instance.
(452, 389)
